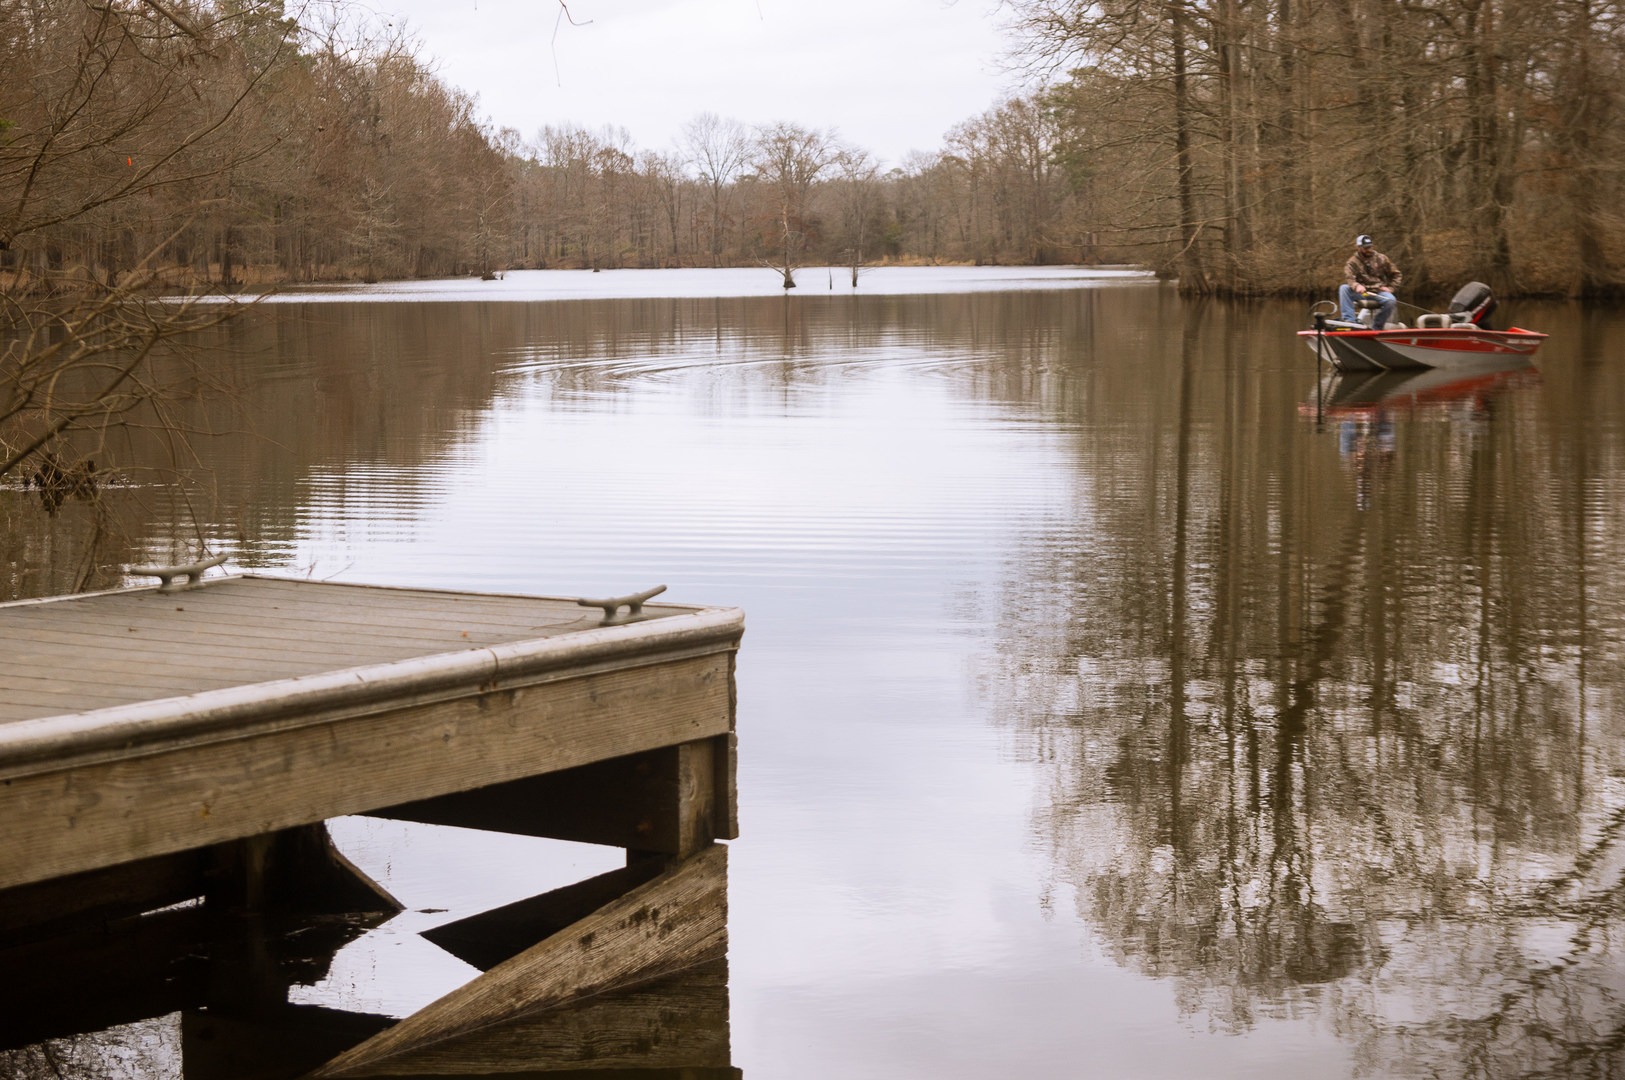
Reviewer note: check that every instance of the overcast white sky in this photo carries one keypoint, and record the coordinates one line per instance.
(890, 75)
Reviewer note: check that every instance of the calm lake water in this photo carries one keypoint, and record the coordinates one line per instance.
(1116, 700)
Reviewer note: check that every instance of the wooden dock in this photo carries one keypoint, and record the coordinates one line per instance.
(159, 745)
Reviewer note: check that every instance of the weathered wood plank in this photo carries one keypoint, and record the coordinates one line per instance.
(225, 783)
(146, 645)
(187, 667)
(487, 939)
(135, 673)
(727, 791)
(152, 645)
(203, 621)
(116, 682)
(238, 602)
(675, 921)
(143, 725)
(49, 701)
(674, 1027)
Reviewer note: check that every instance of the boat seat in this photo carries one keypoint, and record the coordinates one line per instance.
(1433, 322)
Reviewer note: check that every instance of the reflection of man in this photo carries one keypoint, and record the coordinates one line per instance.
(1367, 444)
(1368, 271)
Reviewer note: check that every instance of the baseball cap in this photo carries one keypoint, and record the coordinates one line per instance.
(1362, 240)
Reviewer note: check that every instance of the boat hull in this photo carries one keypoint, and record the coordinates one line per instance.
(1465, 347)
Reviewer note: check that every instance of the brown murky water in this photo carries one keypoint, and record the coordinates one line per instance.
(1116, 701)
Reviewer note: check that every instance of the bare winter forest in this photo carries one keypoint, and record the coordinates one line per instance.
(1236, 144)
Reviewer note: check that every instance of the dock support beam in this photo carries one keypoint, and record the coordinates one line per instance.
(666, 803)
(556, 1000)
(295, 869)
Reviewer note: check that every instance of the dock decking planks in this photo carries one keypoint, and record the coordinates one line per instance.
(138, 645)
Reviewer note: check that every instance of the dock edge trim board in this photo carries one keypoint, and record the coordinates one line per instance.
(54, 743)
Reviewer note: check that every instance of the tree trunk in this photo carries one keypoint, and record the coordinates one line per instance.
(1193, 278)
(1589, 116)
(1238, 233)
(1492, 178)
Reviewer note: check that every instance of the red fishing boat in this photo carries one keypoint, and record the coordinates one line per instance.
(1459, 337)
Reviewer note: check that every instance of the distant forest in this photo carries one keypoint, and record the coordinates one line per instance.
(1238, 145)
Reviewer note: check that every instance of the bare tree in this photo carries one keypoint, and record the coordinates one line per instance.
(719, 150)
(662, 176)
(109, 111)
(859, 193)
(789, 158)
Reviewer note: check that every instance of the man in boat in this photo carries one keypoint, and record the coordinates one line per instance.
(1368, 271)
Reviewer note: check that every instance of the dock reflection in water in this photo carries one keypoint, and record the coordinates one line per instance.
(96, 1000)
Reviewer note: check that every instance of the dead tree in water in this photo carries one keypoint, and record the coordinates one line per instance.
(858, 191)
(791, 248)
(789, 159)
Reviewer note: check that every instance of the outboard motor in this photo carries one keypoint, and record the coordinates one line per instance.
(1472, 303)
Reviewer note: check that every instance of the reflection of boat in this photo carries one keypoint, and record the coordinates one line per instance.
(1357, 393)
(1457, 338)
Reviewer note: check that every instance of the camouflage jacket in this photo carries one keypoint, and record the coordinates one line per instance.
(1372, 270)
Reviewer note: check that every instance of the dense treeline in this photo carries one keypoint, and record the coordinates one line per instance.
(1239, 144)
(224, 140)
(1476, 138)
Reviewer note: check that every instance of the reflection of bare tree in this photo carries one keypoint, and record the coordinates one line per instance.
(327, 389)
(1530, 986)
(1304, 757)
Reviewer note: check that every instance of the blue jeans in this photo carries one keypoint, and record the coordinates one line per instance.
(1345, 301)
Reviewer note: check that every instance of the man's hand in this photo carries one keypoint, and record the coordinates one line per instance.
(1359, 288)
